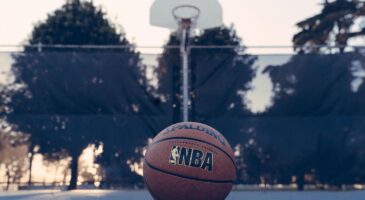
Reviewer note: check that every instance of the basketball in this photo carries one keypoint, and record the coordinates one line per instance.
(189, 161)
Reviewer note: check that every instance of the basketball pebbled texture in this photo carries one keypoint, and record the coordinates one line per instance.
(189, 161)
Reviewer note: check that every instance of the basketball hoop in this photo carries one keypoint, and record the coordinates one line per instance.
(186, 16)
(202, 14)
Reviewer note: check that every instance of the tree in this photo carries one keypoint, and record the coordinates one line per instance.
(81, 23)
(334, 26)
(318, 111)
(317, 100)
(223, 72)
(66, 103)
(168, 76)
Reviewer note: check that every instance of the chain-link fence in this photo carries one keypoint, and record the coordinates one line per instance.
(293, 118)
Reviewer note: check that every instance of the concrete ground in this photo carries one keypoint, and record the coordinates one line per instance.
(144, 195)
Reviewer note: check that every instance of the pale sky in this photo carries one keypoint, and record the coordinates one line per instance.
(258, 22)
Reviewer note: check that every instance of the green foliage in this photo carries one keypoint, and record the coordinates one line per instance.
(332, 27)
(315, 126)
(7, 91)
(78, 23)
(216, 70)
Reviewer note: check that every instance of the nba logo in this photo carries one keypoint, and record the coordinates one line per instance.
(174, 155)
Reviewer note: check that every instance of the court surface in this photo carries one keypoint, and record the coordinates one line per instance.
(143, 195)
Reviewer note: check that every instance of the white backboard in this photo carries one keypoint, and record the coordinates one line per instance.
(210, 16)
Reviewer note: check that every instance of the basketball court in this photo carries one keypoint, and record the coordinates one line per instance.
(143, 195)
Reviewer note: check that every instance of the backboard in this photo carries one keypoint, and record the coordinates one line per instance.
(209, 15)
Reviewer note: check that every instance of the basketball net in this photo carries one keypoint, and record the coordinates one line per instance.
(185, 24)
(186, 16)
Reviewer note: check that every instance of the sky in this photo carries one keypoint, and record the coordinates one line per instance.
(258, 22)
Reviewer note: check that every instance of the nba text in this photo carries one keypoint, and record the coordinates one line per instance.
(191, 157)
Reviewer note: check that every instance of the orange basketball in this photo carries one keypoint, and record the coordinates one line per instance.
(189, 161)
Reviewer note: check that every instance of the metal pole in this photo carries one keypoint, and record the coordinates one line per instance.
(185, 73)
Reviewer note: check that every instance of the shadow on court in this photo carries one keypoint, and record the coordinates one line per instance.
(143, 195)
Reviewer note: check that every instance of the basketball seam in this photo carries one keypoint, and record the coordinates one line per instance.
(186, 177)
(186, 138)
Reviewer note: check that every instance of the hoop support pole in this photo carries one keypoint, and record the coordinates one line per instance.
(184, 50)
